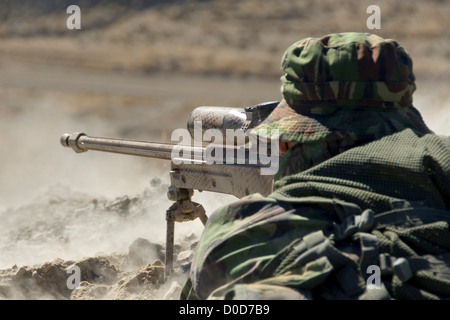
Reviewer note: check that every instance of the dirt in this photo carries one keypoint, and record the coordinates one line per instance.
(75, 224)
(115, 276)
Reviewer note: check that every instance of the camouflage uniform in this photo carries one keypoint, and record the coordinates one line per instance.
(367, 184)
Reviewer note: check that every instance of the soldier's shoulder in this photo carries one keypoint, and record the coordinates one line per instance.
(244, 207)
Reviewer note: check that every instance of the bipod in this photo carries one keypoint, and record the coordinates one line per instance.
(184, 209)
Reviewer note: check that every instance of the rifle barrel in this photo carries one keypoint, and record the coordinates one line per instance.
(80, 142)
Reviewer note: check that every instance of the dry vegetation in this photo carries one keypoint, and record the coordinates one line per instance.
(219, 36)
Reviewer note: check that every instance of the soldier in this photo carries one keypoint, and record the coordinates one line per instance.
(360, 208)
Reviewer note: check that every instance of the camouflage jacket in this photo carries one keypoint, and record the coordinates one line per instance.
(319, 232)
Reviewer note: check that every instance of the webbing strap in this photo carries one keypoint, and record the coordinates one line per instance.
(312, 247)
(374, 293)
(353, 224)
(369, 249)
(410, 217)
(438, 265)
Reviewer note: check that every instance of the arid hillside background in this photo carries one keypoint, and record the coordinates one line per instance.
(135, 70)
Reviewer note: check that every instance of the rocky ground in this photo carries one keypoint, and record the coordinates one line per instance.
(121, 276)
(66, 221)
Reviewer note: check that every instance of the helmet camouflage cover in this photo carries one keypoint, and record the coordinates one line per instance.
(353, 85)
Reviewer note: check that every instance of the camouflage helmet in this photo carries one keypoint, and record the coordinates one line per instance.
(355, 85)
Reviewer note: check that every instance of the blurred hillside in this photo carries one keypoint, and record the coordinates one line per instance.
(136, 69)
(230, 37)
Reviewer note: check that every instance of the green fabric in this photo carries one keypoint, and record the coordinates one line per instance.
(312, 123)
(265, 241)
(237, 243)
(399, 167)
(347, 102)
(344, 85)
(351, 68)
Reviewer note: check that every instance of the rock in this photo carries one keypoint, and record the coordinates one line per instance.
(142, 283)
(120, 205)
(185, 257)
(152, 274)
(143, 252)
(23, 272)
(174, 291)
(88, 291)
(98, 270)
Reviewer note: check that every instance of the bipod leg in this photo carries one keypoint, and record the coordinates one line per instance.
(181, 211)
(169, 248)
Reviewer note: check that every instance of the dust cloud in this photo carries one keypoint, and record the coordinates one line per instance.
(59, 207)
